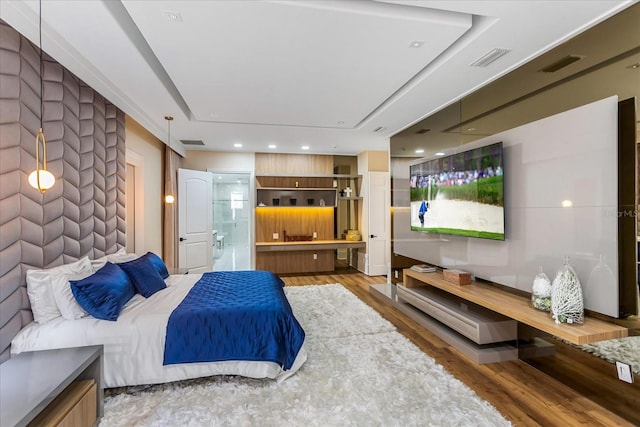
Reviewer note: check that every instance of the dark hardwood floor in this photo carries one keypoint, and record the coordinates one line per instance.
(570, 388)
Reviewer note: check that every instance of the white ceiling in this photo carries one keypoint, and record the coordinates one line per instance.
(324, 73)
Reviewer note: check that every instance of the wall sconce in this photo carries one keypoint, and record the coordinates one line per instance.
(169, 197)
(41, 179)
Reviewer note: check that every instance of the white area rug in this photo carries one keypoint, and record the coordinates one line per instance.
(625, 350)
(360, 372)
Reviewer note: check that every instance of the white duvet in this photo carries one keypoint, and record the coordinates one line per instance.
(134, 344)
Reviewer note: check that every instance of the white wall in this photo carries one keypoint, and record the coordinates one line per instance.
(570, 156)
(220, 161)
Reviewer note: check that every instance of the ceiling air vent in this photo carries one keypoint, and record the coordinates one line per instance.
(561, 63)
(489, 57)
(422, 131)
(192, 142)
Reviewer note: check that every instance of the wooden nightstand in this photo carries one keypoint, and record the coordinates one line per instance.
(53, 387)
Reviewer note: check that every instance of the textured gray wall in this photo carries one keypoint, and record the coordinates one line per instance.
(84, 213)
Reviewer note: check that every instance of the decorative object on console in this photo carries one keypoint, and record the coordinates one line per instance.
(541, 291)
(567, 305)
(423, 268)
(458, 277)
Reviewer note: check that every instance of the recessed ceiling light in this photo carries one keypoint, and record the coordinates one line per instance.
(219, 177)
(416, 43)
(237, 145)
(439, 153)
(305, 147)
(172, 16)
(419, 151)
(634, 66)
(379, 129)
(272, 146)
(470, 129)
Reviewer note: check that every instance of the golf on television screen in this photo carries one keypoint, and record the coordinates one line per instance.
(461, 194)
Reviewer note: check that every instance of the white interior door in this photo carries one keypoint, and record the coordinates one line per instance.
(195, 221)
(379, 219)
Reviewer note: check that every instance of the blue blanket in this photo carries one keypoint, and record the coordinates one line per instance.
(234, 315)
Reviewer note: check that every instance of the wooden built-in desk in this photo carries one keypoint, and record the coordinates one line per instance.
(301, 256)
(518, 308)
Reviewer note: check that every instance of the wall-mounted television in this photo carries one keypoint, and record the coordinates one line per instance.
(461, 194)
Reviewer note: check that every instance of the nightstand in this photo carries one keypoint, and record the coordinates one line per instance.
(53, 387)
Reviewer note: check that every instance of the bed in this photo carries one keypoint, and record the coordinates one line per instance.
(134, 344)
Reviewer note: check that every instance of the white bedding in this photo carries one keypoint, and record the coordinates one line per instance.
(134, 344)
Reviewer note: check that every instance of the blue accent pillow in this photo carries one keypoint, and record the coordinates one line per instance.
(158, 264)
(144, 276)
(104, 293)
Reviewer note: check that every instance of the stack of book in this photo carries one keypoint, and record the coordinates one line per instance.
(423, 268)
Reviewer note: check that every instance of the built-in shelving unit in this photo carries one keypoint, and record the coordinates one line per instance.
(304, 239)
(298, 197)
(300, 215)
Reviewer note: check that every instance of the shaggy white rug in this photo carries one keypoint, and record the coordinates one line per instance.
(625, 350)
(360, 372)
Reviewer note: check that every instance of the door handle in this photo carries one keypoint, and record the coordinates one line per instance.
(372, 236)
(182, 239)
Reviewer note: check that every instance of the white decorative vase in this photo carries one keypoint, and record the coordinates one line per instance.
(541, 291)
(567, 305)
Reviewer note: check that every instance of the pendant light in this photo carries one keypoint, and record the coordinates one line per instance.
(169, 198)
(41, 178)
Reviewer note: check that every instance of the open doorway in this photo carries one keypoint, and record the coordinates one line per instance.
(232, 220)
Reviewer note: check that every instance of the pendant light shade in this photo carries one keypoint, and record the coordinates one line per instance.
(41, 179)
(169, 198)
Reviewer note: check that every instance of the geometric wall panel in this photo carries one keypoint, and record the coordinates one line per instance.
(84, 212)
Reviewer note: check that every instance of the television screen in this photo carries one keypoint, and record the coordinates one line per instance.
(461, 194)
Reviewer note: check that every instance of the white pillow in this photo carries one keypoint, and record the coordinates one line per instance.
(39, 288)
(117, 257)
(62, 294)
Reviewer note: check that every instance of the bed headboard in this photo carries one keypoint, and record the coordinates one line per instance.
(84, 213)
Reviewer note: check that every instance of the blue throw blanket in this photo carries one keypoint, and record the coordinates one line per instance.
(234, 315)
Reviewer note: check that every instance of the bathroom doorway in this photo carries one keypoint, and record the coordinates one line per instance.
(232, 221)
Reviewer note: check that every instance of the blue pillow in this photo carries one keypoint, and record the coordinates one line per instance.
(143, 275)
(104, 293)
(158, 264)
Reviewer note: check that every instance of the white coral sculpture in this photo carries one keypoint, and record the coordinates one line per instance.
(567, 305)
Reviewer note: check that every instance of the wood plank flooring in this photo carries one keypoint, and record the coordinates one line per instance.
(571, 388)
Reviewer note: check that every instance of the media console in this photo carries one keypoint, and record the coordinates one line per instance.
(483, 320)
